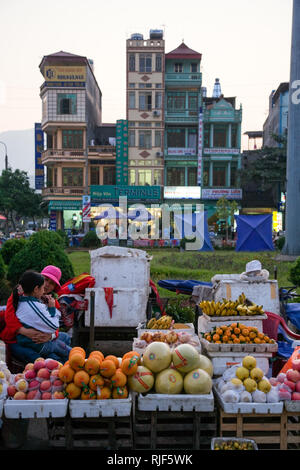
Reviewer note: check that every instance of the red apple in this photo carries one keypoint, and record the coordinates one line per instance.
(29, 366)
(33, 385)
(46, 396)
(45, 386)
(297, 388)
(284, 394)
(34, 395)
(281, 377)
(296, 364)
(39, 365)
(51, 364)
(20, 396)
(290, 384)
(18, 377)
(295, 396)
(293, 375)
(30, 374)
(58, 395)
(11, 390)
(22, 385)
(273, 381)
(43, 374)
(54, 375)
(57, 386)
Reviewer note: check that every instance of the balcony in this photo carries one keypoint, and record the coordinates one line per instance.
(183, 116)
(62, 155)
(182, 79)
(102, 151)
(76, 191)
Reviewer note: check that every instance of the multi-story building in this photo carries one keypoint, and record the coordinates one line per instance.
(277, 120)
(78, 150)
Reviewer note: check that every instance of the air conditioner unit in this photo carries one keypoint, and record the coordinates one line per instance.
(159, 154)
(156, 113)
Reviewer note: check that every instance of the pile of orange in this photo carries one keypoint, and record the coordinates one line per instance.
(97, 376)
(236, 333)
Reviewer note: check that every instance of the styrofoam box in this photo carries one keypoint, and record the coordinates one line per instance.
(260, 293)
(180, 402)
(98, 408)
(190, 330)
(114, 266)
(221, 361)
(1, 407)
(238, 348)
(196, 344)
(129, 307)
(249, 408)
(292, 406)
(207, 323)
(15, 409)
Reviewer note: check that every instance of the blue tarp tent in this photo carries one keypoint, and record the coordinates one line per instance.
(254, 232)
(196, 224)
(183, 287)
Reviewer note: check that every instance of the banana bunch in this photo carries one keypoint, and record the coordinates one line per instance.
(163, 323)
(230, 307)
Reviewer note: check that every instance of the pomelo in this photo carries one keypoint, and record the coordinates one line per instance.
(169, 381)
(157, 356)
(185, 358)
(142, 381)
(197, 382)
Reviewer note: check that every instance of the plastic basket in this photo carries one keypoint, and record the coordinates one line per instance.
(220, 440)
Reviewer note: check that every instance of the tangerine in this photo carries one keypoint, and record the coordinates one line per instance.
(107, 368)
(77, 361)
(97, 353)
(131, 354)
(88, 394)
(66, 373)
(72, 391)
(96, 381)
(92, 365)
(77, 349)
(103, 393)
(114, 359)
(81, 378)
(119, 379)
(120, 392)
(129, 365)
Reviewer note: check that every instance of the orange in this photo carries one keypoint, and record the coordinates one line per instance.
(130, 354)
(81, 378)
(72, 391)
(257, 340)
(120, 392)
(88, 394)
(97, 353)
(77, 349)
(114, 359)
(237, 331)
(236, 341)
(242, 338)
(104, 393)
(208, 338)
(216, 337)
(77, 361)
(107, 368)
(92, 365)
(96, 380)
(252, 335)
(245, 332)
(219, 331)
(225, 339)
(66, 374)
(119, 379)
(129, 365)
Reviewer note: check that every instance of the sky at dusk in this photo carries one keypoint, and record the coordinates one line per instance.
(245, 43)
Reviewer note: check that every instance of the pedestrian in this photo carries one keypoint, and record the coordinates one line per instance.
(44, 317)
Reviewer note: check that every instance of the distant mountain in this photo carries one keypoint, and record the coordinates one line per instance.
(20, 151)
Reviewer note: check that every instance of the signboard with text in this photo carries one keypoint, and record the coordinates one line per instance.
(39, 147)
(230, 193)
(106, 192)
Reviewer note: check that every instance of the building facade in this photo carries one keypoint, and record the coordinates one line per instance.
(277, 120)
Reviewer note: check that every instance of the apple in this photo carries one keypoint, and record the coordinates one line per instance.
(20, 396)
(51, 364)
(295, 396)
(46, 396)
(45, 386)
(39, 365)
(290, 384)
(284, 394)
(21, 385)
(18, 377)
(29, 366)
(293, 375)
(296, 364)
(33, 384)
(54, 375)
(281, 377)
(58, 395)
(43, 374)
(297, 388)
(273, 381)
(11, 390)
(34, 395)
(30, 374)
(57, 386)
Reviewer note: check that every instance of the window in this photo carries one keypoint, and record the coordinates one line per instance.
(192, 176)
(144, 177)
(193, 101)
(131, 62)
(72, 176)
(157, 139)
(66, 103)
(132, 179)
(145, 101)
(206, 175)
(192, 138)
(206, 139)
(109, 175)
(219, 176)
(175, 177)
(95, 175)
(142, 85)
(176, 137)
(176, 102)
(158, 177)
(49, 177)
(233, 176)
(131, 140)
(220, 131)
(131, 99)
(145, 63)
(178, 67)
(145, 140)
(194, 68)
(72, 139)
(158, 100)
(157, 85)
(158, 63)
(145, 124)
(234, 141)
(131, 85)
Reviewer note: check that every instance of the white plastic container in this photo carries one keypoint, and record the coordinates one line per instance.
(260, 293)
(181, 402)
(114, 266)
(207, 323)
(98, 408)
(14, 409)
(221, 361)
(129, 306)
(249, 408)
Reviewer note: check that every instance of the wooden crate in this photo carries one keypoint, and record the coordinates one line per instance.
(267, 430)
(173, 429)
(291, 420)
(91, 433)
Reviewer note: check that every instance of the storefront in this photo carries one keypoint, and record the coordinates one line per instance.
(65, 214)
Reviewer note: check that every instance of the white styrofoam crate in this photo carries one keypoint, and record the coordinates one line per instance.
(242, 347)
(292, 406)
(221, 361)
(15, 409)
(129, 307)
(1, 406)
(141, 349)
(98, 408)
(207, 323)
(180, 402)
(120, 267)
(249, 408)
(190, 330)
(260, 293)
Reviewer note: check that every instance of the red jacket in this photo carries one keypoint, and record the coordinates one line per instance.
(12, 324)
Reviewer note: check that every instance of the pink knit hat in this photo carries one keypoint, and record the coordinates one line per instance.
(53, 273)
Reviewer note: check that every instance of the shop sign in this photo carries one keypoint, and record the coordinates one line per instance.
(112, 193)
(210, 193)
(182, 192)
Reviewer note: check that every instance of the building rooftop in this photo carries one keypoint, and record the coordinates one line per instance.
(183, 52)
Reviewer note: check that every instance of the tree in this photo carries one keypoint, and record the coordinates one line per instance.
(225, 211)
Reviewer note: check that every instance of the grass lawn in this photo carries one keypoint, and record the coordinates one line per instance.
(168, 263)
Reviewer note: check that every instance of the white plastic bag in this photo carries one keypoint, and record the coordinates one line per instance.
(245, 397)
(229, 373)
(259, 397)
(230, 396)
(273, 395)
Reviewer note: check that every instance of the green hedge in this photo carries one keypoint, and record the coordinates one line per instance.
(11, 247)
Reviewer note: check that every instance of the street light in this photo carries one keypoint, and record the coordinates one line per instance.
(6, 160)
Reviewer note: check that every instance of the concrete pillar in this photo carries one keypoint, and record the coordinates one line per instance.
(229, 136)
(211, 169)
(292, 232)
(211, 138)
(228, 175)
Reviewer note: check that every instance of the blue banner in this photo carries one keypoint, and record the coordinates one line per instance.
(39, 147)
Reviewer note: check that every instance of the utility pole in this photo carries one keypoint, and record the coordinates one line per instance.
(292, 230)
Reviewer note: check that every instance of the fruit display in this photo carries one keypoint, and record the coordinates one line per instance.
(163, 323)
(246, 383)
(181, 370)
(242, 306)
(288, 383)
(236, 333)
(39, 381)
(232, 444)
(5, 378)
(172, 338)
